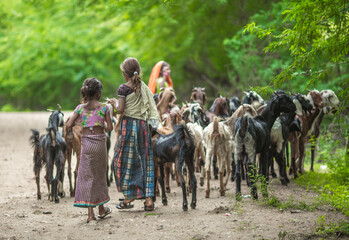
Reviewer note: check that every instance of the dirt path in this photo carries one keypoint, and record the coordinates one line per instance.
(24, 217)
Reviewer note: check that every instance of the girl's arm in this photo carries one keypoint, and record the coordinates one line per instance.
(109, 123)
(121, 107)
(72, 120)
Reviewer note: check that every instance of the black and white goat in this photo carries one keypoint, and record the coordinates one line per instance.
(252, 136)
(283, 126)
(234, 104)
(331, 102)
(177, 146)
(253, 99)
(49, 150)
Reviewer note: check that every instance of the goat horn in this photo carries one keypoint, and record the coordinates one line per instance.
(308, 90)
(276, 94)
(59, 108)
(245, 92)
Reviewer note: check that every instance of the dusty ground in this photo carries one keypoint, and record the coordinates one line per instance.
(24, 217)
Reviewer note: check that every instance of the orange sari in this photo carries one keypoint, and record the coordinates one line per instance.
(155, 75)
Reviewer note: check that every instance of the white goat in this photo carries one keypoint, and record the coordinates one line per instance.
(197, 133)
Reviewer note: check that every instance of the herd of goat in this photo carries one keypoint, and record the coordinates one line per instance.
(233, 138)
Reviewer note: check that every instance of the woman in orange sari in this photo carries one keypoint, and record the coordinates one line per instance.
(160, 77)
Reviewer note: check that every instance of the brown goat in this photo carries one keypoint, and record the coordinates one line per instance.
(219, 108)
(298, 144)
(198, 95)
(73, 141)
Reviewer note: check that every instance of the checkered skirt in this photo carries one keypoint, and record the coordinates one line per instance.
(133, 160)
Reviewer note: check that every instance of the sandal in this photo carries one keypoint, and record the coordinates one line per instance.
(107, 212)
(123, 205)
(149, 208)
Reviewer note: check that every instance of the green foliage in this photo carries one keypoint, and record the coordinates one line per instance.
(290, 204)
(327, 229)
(304, 44)
(47, 48)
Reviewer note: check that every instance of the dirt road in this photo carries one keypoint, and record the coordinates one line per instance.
(25, 217)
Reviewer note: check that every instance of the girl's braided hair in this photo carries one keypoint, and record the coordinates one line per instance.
(90, 88)
(132, 70)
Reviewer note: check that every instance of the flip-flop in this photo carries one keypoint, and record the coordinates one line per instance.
(107, 212)
(123, 205)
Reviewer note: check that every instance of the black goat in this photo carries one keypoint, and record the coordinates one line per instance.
(252, 136)
(234, 103)
(49, 150)
(175, 147)
(280, 132)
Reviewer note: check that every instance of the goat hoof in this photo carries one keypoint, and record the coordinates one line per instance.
(39, 197)
(232, 178)
(56, 200)
(274, 175)
(72, 194)
(287, 180)
(164, 202)
(207, 195)
(216, 177)
(168, 189)
(201, 182)
(283, 182)
(62, 194)
(193, 205)
(222, 193)
(185, 207)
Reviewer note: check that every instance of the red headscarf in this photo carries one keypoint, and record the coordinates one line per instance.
(155, 73)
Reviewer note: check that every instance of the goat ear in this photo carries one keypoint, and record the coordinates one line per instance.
(245, 92)
(162, 89)
(194, 89)
(50, 110)
(276, 94)
(202, 89)
(308, 90)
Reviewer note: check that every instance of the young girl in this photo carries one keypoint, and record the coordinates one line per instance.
(91, 186)
(133, 158)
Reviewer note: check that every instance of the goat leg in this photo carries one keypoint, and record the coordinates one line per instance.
(184, 190)
(168, 167)
(193, 183)
(162, 184)
(215, 169)
(68, 158)
(37, 179)
(233, 168)
(207, 169)
(238, 177)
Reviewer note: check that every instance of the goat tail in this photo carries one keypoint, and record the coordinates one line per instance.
(215, 131)
(244, 123)
(35, 142)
